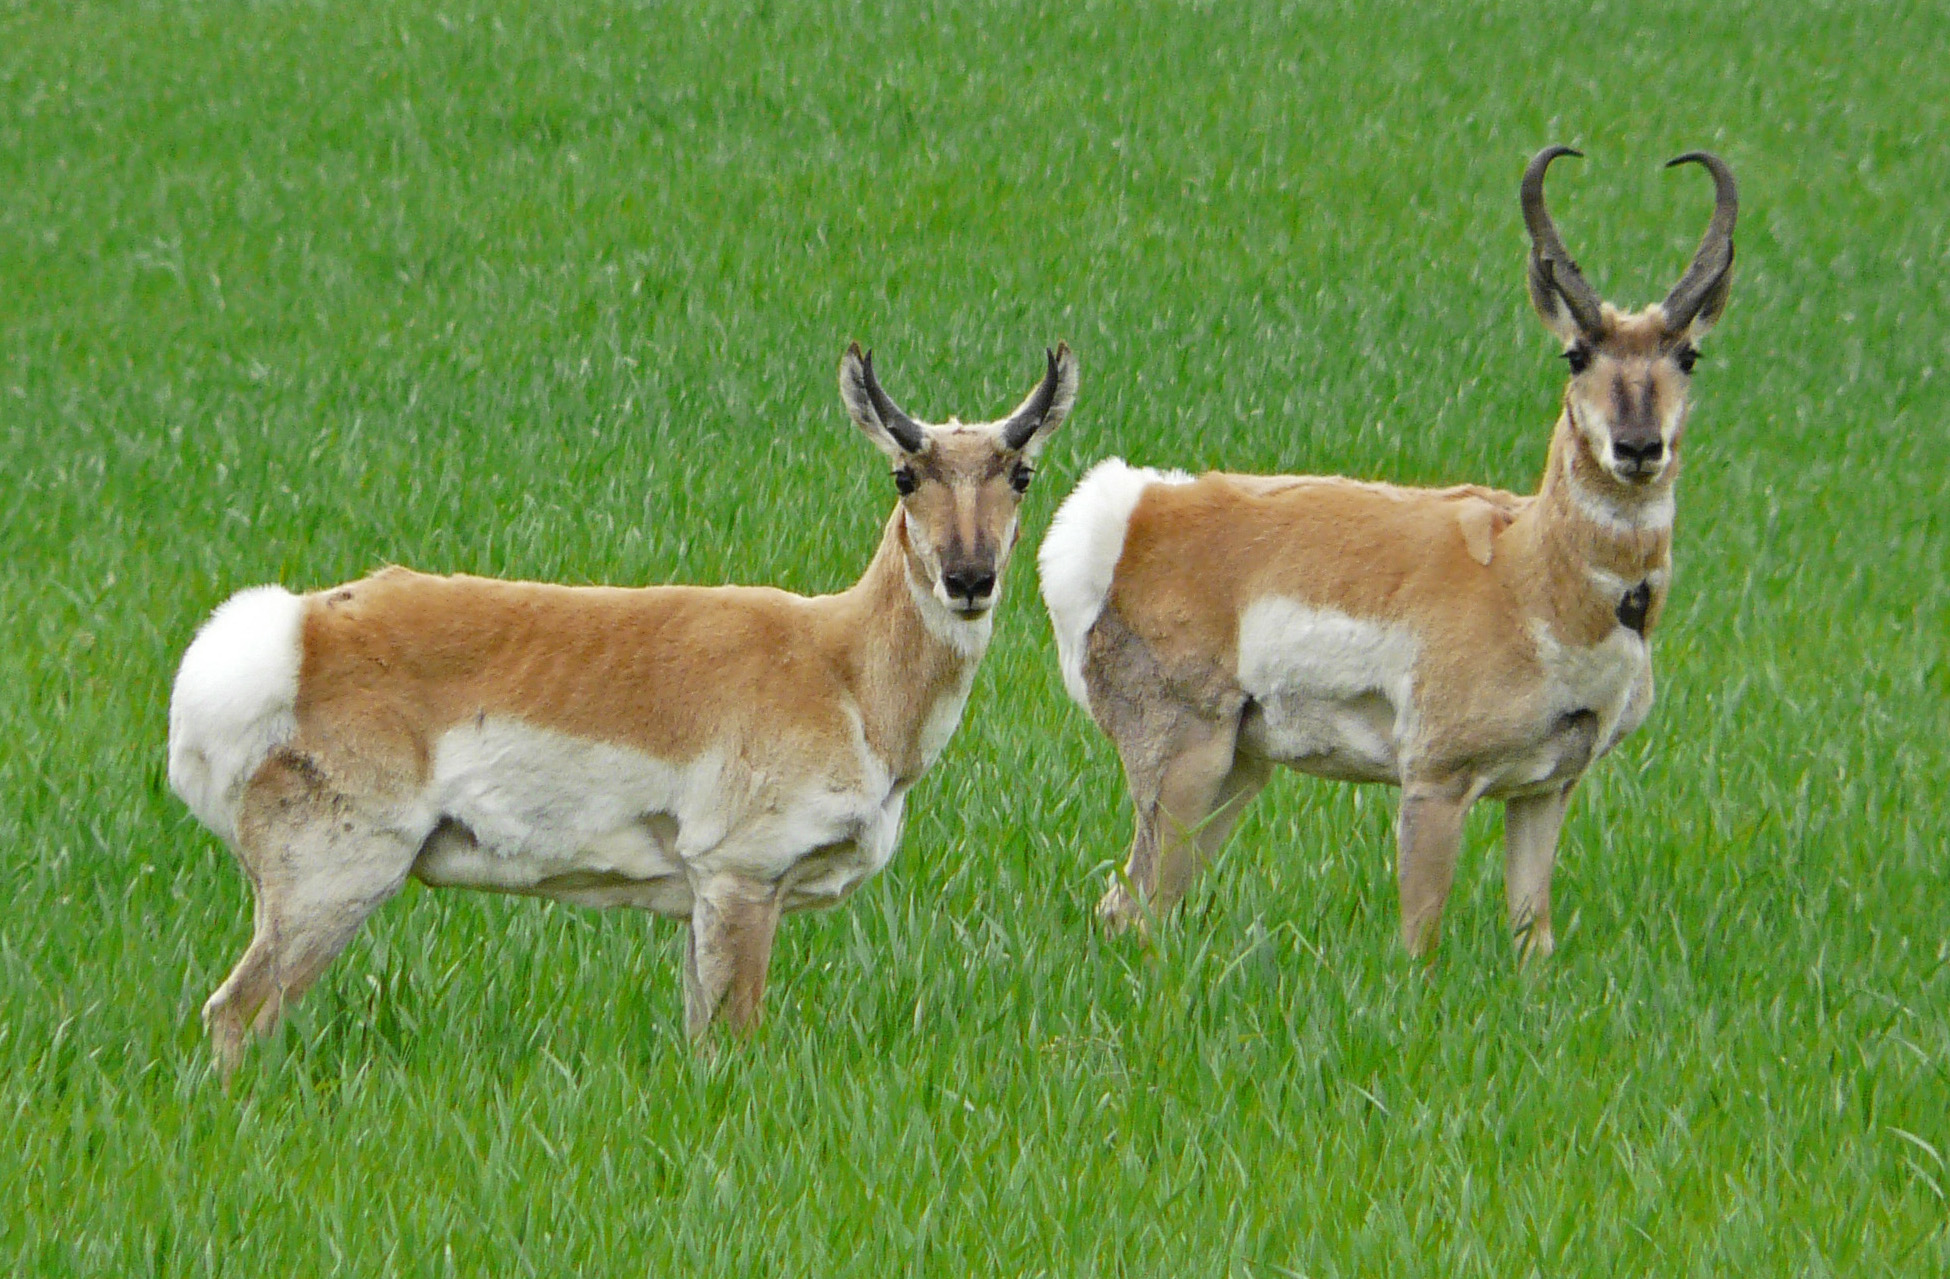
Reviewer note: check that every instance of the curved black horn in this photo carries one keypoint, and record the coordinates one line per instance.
(1023, 422)
(906, 431)
(1550, 262)
(1715, 255)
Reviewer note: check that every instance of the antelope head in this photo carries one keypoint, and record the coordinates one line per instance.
(959, 484)
(1626, 402)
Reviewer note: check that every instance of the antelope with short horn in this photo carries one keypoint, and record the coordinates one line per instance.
(1458, 643)
(718, 755)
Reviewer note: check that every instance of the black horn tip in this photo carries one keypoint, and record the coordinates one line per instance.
(1542, 160)
(1693, 157)
(1532, 186)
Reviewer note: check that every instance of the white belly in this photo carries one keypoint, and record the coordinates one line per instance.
(1334, 693)
(517, 809)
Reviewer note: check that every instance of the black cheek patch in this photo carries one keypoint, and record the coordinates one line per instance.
(1632, 607)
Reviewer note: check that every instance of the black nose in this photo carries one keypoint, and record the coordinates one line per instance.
(1641, 454)
(968, 584)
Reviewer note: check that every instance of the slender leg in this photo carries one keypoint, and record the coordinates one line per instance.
(1183, 818)
(1530, 829)
(229, 1011)
(318, 868)
(1209, 817)
(733, 923)
(1429, 834)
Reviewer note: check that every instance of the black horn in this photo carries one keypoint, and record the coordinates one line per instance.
(1023, 422)
(1707, 275)
(906, 431)
(1551, 265)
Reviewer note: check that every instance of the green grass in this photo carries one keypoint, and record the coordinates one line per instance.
(288, 291)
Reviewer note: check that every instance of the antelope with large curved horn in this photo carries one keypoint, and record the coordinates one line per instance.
(1458, 643)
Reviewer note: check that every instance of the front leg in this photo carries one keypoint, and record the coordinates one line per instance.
(1530, 829)
(1429, 834)
(733, 923)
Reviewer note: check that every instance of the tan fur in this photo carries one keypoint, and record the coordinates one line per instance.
(781, 732)
(1479, 581)
(394, 660)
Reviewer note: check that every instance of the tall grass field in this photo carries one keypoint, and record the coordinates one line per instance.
(291, 291)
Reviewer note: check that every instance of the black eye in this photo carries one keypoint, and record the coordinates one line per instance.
(904, 481)
(1579, 358)
(1686, 357)
(1020, 477)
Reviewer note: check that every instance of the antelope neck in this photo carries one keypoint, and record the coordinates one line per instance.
(1607, 560)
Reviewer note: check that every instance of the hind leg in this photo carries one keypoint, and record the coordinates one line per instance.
(733, 923)
(1186, 805)
(319, 866)
(229, 1011)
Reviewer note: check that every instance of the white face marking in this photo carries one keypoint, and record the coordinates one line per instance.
(1591, 416)
(1334, 690)
(961, 518)
(968, 637)
(1651, 514)
(1080, 554)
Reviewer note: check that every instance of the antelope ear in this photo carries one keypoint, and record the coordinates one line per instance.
(892, 431)
(1036, 419)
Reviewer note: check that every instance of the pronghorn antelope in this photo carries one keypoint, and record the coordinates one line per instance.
(1458, 643)
(719, 755)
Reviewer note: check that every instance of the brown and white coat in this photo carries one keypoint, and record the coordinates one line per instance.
(720, 755)
(1459, 643)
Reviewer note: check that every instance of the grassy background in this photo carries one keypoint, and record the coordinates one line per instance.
(291, 290)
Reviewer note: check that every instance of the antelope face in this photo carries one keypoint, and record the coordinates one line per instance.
(1626, 399)
(1627, 396)
(960, 484)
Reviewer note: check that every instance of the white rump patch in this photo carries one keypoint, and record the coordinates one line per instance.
(233, 700)
(1336, 692)
(1080, 553)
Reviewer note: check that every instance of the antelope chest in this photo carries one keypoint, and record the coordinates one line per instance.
(1592, 696)
(1612, 679)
